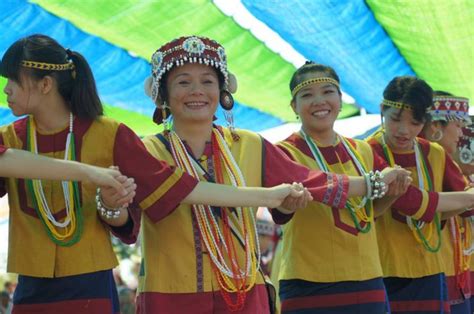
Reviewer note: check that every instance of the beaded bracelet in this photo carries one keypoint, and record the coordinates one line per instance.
(376, 188)
(104, 211)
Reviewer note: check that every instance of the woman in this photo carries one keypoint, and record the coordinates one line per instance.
(214, 267)
(448, 115)
(409, 243)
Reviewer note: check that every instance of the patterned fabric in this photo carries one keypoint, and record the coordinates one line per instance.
(355, 297)
(341, 252)
(165, 278)
(427, 295)
(54, 295)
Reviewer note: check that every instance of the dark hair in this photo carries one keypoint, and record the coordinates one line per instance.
(441, 93)
(79, 92)
(311, 67)
(412, 91)
(163, 88)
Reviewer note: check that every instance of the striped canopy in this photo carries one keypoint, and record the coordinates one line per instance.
(366, 42)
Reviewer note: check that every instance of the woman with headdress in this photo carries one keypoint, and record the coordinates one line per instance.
(198, 259)
(448, 115)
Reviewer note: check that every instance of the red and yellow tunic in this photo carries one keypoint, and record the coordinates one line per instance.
(400, 254)
(343, 253)
(176, 274)
(102, 142)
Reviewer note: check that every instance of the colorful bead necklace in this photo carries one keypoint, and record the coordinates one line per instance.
(67, 232)
(362, 211)
(219, 241)
(423, 176)
(461, 236)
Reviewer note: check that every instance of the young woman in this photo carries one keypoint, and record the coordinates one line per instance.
(448, 114)
(409, 243)
(59, 245)
(330, 261)
(214, 267)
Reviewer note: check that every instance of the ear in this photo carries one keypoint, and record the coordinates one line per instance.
(46, 84)
(434, 126)
(293, 106)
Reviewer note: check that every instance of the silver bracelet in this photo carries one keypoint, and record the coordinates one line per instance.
(378, 187)
(104, 211)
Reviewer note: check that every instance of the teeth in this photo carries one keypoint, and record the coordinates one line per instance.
(321, 113)
(195, 104)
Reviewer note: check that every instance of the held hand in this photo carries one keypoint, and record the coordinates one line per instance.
(112, 199)
(295, 200)
(399, 187)
(104, 177)
(277, 194)
(391, 174)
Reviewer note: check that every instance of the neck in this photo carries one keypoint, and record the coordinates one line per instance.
(194, 134)
(324, 138)
(52, 117)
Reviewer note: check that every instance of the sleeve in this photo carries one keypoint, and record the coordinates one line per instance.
(2, 149)
(160, 188)
(328, 188)
(418, 204)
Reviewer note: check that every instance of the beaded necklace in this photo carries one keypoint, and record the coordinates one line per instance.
(461, 235)
(67, 232)
(362, 211)
(423, 176)
(219, 241)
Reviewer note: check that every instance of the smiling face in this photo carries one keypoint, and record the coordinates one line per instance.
(401, 128)
(193, 93)
(317, 104)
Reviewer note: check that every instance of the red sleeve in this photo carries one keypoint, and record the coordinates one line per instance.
(2, 149)
(328, 188)
(160, 188)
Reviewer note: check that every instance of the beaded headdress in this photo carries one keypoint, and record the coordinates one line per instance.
(466, 145)
(189, 49)
(449, 108)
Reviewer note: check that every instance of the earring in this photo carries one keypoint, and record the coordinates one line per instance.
(297, 117)
(226, 100)
(437, 135)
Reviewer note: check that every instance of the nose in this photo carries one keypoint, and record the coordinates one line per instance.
(196, 89)
(402, 129)
(7, 88)
(317, 99)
